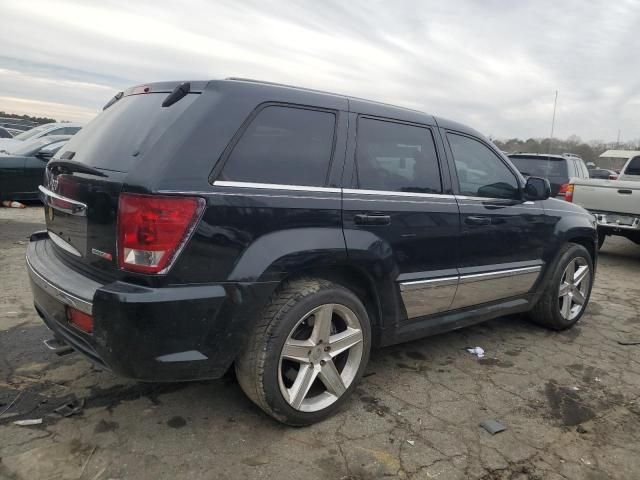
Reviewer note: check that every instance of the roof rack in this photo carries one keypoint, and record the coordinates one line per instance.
(276, 84)
(313, 90)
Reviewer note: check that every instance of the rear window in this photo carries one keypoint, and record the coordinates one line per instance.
(284, 145)
(31, 133)
(117, 138)
(540, 167)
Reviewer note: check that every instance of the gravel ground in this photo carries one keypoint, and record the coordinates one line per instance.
(569, 401)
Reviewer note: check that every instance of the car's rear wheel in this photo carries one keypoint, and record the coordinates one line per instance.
(307, 354)
(567, 294)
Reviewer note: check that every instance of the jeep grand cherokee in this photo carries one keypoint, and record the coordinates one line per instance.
(195, 226)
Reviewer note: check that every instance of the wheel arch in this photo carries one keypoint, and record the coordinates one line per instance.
(356, 280)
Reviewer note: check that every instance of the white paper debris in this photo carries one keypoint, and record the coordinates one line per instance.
(26, 423)
(411, 442)
(477, 351)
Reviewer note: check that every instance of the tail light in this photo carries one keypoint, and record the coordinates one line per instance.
(566, 191)
(613, 177)
(80, 320)
(153, 229)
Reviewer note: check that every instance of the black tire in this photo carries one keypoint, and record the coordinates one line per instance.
(547, 311)
(258, 365)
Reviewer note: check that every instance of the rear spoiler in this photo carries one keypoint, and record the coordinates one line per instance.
(160, 87)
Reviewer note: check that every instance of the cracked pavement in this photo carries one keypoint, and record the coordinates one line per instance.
(570, 401)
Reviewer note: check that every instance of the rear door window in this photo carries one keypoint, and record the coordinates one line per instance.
(284, 145)
(481, 173)
(396, 157)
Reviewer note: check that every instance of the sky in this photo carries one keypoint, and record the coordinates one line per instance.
(494, 64)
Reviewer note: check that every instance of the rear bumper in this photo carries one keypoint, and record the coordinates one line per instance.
(607, 220)
(152, 334)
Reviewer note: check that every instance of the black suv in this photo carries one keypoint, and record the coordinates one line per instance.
(558, 169)
(198, 225)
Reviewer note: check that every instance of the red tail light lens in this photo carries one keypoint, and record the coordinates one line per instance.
(80, 320)
(152, 230)
(566, 190)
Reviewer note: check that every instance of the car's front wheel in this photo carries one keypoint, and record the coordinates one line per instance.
(307, 353)
(567, 294)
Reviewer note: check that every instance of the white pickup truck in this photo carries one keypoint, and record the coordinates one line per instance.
(615, 203)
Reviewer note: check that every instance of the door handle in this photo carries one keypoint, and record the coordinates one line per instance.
(372, 219)
(625, 192)
(477, 221)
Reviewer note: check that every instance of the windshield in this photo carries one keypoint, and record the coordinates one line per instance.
(31, 147)
(31, 133)
(540, 167)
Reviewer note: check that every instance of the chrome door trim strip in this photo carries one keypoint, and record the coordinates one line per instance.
(355, 191)
(430, 283)
(78, 209)
(477, 277)
(275, 186)
(63, 244)
(435, 295)
(58, 293)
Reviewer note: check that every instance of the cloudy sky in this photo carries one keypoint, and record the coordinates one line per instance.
(493, 64)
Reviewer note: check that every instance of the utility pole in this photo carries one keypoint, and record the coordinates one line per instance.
(553, 120)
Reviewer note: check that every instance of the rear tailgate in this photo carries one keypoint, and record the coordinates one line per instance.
(84, 180)
(608, 196)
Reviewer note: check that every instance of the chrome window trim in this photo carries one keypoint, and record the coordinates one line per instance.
(244, 194)
(63, 244)
(58, 293)
(275, 186)
(490, 199)
(408, 200)
(397, 194)
(79, 209)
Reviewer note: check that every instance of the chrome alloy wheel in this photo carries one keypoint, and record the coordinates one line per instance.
(320, 357)
(574, 288)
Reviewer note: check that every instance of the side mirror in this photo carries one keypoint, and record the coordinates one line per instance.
(537, 188)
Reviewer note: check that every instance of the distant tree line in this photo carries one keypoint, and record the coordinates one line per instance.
(589, 151)
(30, 118)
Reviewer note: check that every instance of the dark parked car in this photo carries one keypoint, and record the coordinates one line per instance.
(558, 169)
(22, 170)
(286, 232)
(603, 174)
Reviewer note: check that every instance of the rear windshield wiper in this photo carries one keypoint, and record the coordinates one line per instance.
(178, 93)
(115, 98)
(71, 166)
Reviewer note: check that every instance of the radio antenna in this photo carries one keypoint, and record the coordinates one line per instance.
(553, 121)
